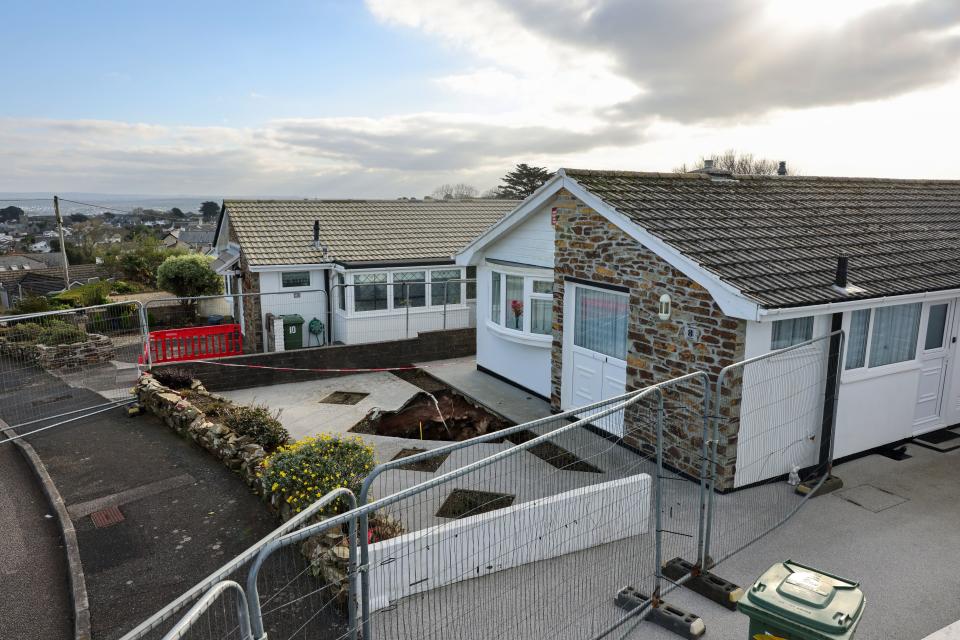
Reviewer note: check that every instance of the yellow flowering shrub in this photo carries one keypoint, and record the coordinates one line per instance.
(300, 473)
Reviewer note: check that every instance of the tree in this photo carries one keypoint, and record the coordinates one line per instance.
(11, 214)
(78, 217)
(459, 191)
(177, 212)
(187, 276)
(138, 259)
(521, 182)
(739, 163)
(76, 254)
(210, 211)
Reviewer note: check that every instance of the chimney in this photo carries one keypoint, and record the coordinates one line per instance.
(708, 164)
(782, 168)
(841, 278)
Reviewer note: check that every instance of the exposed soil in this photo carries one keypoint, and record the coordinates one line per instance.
(429, 465)
(462, 503)
(552, 454)
(418, 419)
(211, 407)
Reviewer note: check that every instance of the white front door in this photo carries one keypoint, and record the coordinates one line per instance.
(594, 349)
(935, 346)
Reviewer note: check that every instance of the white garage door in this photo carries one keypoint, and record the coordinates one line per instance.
(595, 348)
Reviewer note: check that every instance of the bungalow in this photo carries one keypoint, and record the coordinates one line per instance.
(369, 270)
(570, 286)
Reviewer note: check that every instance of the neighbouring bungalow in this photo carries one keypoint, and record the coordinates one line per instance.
(367, 270)
(570, 286)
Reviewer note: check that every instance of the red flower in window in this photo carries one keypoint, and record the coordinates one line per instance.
(517, 307)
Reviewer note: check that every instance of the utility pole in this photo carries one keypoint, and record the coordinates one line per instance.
(63, 245)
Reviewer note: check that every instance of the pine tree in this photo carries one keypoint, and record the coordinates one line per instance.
(522, 181)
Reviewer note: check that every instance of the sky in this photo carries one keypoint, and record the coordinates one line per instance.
(390, 98)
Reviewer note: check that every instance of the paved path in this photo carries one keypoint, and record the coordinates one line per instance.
(34, 592)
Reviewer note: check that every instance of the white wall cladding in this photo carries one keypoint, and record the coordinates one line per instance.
(530, 243)
(516, 535)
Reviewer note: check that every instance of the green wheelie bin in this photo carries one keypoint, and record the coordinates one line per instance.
(292, 332)
(794, 602)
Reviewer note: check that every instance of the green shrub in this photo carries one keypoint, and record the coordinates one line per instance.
(122, 287)
(36, 304)
(173, 377)
(305, 471)
(258, 423)
(24, 332)
(87, 295)
(61, 333)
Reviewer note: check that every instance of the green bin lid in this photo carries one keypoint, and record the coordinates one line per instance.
(808, 597)
(292, 318)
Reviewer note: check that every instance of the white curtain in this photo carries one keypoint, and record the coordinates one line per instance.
(857, 340)
(515, 302)
(601, 322)
(787, 333)
(541, 316)
(495, 298)
(895, 331)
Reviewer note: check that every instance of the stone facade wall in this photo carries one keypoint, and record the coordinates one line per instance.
(252, 320)
(70, 357)
(591, 248)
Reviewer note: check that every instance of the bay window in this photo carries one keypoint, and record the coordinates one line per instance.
(882, 336)
(522, 303)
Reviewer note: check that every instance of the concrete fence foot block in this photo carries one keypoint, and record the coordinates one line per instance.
(706, 584)
(668, 616)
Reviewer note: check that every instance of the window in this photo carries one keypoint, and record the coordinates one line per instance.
(543, 286)
(495, 298)
(341, 293)
(437, 287)
(894, 334)
(936, 323)
(514, 301)
(404, 290)
(600, 322)
(370, 291)
(294, 279)
(472, 285)
(787, 333)
(541, 307)
(883, 336)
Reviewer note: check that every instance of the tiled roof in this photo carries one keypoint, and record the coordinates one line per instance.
(40, 282)
(777, 239)
(16, 261)
(196, 236)
(356, 231)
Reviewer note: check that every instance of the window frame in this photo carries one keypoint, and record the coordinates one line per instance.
(391, 284)
(776, 323)
(296, 286)
(865, 371)
(524, 333)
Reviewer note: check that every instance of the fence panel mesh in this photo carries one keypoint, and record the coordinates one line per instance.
(57, 364)
(769, 418)
(536, 529)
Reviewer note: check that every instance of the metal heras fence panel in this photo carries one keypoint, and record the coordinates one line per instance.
(66, 363)
(293, 599)
(774, 417)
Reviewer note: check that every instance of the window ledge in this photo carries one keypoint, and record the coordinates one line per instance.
(532, 339)
(860, 375)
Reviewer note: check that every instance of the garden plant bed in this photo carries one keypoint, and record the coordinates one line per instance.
(463, 503)
(429, 465)
(418, 419)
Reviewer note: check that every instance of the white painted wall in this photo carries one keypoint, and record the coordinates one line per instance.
(379, 326)
(309, 302)
(510, 537)
(525, 362)
(530, 243)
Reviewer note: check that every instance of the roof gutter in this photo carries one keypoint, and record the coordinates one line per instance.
(853, 305)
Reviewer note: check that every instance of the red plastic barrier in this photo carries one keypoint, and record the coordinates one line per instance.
(194, 343)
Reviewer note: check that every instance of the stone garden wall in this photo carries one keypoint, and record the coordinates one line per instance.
(95, 350)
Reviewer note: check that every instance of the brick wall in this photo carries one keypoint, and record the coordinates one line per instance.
(434, 345)
(591, 248)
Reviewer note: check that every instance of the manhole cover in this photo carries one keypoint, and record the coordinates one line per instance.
(466, 502)
(870, 497)
(106, 517)
(344, 397)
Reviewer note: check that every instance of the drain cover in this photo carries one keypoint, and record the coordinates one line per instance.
(344, 397)
(870, 497)
(106, 517)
